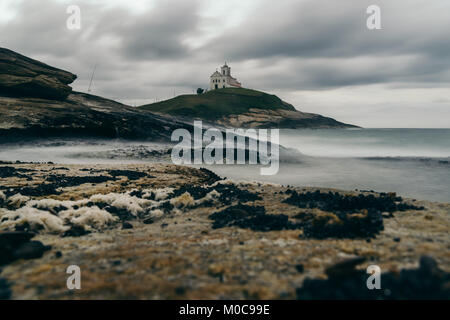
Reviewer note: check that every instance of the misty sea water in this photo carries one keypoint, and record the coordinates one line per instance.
(412, 162)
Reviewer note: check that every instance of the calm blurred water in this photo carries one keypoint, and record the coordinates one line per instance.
(412, 162)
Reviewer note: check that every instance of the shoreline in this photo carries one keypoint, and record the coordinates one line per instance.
(163, 245)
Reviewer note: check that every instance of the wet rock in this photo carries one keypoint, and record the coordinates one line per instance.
(25, 77)
(425, 282)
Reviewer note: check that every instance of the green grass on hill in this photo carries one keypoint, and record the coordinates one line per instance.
(215, 104)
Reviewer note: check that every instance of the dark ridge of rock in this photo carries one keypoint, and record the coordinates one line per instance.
(40, 190)
(250, 217)
(62, 181)
(56, 182)
(24, 77)
(80, 116)
(211, 177)
(338, 203)
(31, 250)
(16, 245)
(130, 174)
(427, 282)
(6, 172)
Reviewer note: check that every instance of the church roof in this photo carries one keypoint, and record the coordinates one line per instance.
(217, 73)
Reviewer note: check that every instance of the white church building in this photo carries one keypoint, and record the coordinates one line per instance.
(223, 79)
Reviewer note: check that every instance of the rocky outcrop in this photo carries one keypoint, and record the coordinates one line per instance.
(80, 115)
(283, 119)
(24, 77)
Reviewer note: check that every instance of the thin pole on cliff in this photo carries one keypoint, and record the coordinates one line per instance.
(92, 78)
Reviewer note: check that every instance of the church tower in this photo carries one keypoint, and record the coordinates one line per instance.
(225, 70)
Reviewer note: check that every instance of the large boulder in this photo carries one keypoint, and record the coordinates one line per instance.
(24, 77)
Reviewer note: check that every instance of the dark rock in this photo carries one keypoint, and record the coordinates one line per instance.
(424, 283)
(31, 250)
(350, 216)
(344, 267)
(127, 225)
(14, 239)
(300, 268)
(121, 213)
(58, 254)
(148, 221)
(180, 290)
(6, 172)
(210, 176)
(75, 231)
(250, 217)
(131, 175)
(338, 203)
(9, 242)
(228, 193)
(25, 77)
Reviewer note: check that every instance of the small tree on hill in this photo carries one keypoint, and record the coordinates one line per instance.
(200, 91)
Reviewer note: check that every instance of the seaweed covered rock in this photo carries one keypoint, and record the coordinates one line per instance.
(348, 216)
(425, 282)
(25, 77)
(337, 202)
(250, 217)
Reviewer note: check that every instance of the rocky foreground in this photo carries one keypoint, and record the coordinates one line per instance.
(164, 232)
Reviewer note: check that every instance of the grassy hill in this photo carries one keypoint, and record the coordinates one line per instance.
(218, 103)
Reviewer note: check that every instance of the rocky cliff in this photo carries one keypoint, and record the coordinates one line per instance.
(36, 101)
(242, 108)
(21, 76)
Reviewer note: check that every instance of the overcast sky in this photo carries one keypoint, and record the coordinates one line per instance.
(316, 54)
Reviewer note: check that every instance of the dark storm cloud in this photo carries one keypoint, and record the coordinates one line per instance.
(335, 31)
(160, 33)
(287, 45)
